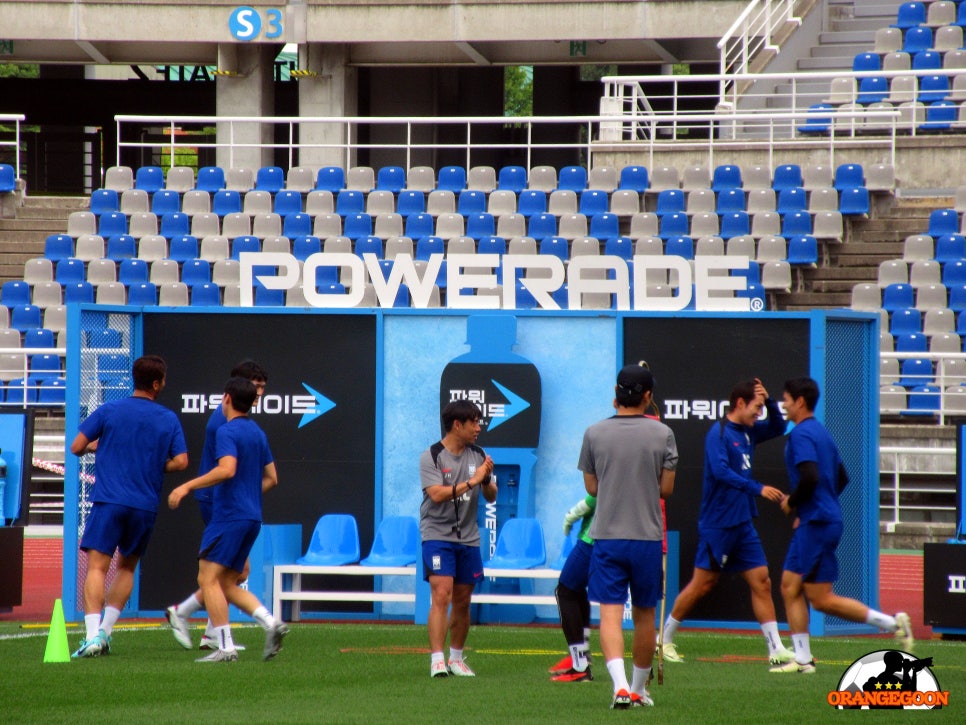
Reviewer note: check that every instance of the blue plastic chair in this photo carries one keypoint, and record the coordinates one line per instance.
(866, 62)
(245, 243)
(910, 15)
(911, 342)
(149, 179)
(557, 246)
(796, 223)
(429, 245)
(957, 303)
(111, 224)
(195, 272)
(730, 200)
(67, 271)
(491, 244)
(480, 225)
(917, 39)
(674, 225)
(818, 120)
(39, 337)
(622, 247)
(121, 246)
(205, 295)
(950, 248)
(568, 545)
(542, 225)
(368, 245)
(905, 321)
(532, 201)
(17, 292)
(8, 179)
(594, 201)
(410, 202)
(52, 391)
(58, 247)
(855, 201)
(270, 179)
(787, 176)
(849, 176)
(226, 202)
(183, 247)
(175, 224)
(335, 542)
(940, 116)
(420, 225)
(330, 178)
(297, 225)
(104, 200)
(265, 297)
(927, 60)
(165, 201)
(350, 202)
(358, 225)
(451, 178)
(44, 366)
(954, 273)
(803, 249)
(21, 391)
(634, 178)
(520, 545)
(572, 178)
(78, 292)
(923, 400)
(210, 179)
(735, 224)
(670, 201)
(512, 178)
(898, 296)
(604, 226)
(305, 246)
(288, 202)
(791, 199)
(943, 221)
(471, 201)
(391, 178)
(873, 89)
(933, 88)
(726, 176)
(396, 542)
(143, 293)
(682, 246)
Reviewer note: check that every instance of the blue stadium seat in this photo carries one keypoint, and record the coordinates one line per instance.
(512, 178)
(470, 201)
(491, 244)
(420, 225)
(368, 245)
(17, 292)
(572, 178)
(634, 178)
(849, 176)
(26, 317)
(451, 178)
(396, 542)
(165, 201)
(297, 225)
(58, 247)
(121, 246)
(410, 202)
(480, 225)
(927, 60)
(270, 179)
(210, 179)
(961, 15)
(226, 202)
(622, 247)
(183, 247)
(910, 15)
(735, 224)
(542, 225)
(557, 246)
(957, 300)
(195, 272)
(428, 245)
(796, 223)
(787, 176)
(304, 246)
(391, 178)
(674, 225)
(520, 545)
(45, 365)
(111, 224)
(52, 391)
(532, 201)
(933, 88)
(911, 341)
(330, 178)
(954, 273)
(335, 542)
(149, 179)
(730, 200)
(943, 221)
(68, 270)
(246, 243)
(726, 176)
(8, 179)
(905, 321)
(143, 294)
(682, 246)
(803, 249)
(604, 226)
(854, 201)
(917, 39)
(358, 225)
(866, 62)
(350, 202)
(288, 202)
(940, 116)
(670, 201)
(205, 295)
(21, 392)
(78, 292)
(818, 120)
(950, 248)
(265, 297)
(594, 201)
(898, 296)
(791, 199)
(873, 89)
(174, 224)
(38, 337)
(104, 200)
(923, 400)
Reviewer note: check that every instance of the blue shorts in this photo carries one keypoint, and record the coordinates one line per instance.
(111, 526)
(576, 570)
(619, 563)
(444, 558)
(811, 553)
(737, 548)
(229, 542)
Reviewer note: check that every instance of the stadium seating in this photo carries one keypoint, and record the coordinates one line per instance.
(396, 542)
(520, 545)
(335, 542)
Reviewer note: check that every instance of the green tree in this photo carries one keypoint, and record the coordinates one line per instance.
(15, 70)
(518, 91)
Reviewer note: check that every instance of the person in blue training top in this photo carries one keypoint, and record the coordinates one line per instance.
(137, 441)
(817, 477)
(244, 472)
(727, 538)
(178, 614)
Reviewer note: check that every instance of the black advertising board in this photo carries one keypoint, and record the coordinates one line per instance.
(318, 413)
(944, 585)
(696, 361)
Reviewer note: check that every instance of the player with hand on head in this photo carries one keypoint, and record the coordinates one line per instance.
(817, 476)
(727, 539)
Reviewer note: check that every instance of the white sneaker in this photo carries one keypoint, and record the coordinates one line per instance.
(781, 656)
(671, 653)
(437, 668)
(273, 640)
(459, 668)
(793, 666)
(641, 700)
(208, 642)
(904, 631)
(179, 626)
(220, 655)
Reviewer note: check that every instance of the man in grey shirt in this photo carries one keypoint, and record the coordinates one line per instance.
(453, 472)
(628, 462)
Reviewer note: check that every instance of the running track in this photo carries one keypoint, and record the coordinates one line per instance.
(900, 584)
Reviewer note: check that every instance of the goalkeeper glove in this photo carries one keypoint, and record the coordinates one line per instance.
(574, 515)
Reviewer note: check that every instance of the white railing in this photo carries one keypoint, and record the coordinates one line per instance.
(751, 33)
(16, 119)
(947, 396)
(890, 465)
(23, 372)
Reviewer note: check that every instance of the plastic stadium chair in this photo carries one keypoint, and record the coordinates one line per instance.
(428, 245)
(917, 39)
(226, 202)
(410, 202)
(452, 178)
(119, 178)
(954, 273)
(923, 400)
(512, 178)
(735, 224)
(730, 200)
(933, 88)
(288, 201)
(940, 116)
(898, 296)
(604, 226)
(26, 317)
(796, 223)
(855, 202)
(111, 224)
(873, 89)
(21, 392)
(165, 201)
(369, 245)
(297, 225)
(949, 248)
(520, 545)
(142, 293)
(52, 391)
(357, 225)
(866, 62)
(818, 120)
(787, 176)
(681, 246)
(634, 178)
(480, 225)
(391, 178)
(674, 225)
(39, 337)
(205, 295)
(58, 247)
(350, 202)
(542, 225)
(122, 246)
(334, 542)
(17, 292)
(906, 321)
(183, 248)
(943, 221)
(420, 225)
(210, 179)
(196, 272)
(670, 201)
(396, 542)
(244, 243)
(304, 246)
(104, 200)
(331, 179)
(532, 201)
(927, 59)
(803, 249)
(573, 178)
(270, 179)
(481, 178)
(593, 201)
(149, 179)
(791, 199)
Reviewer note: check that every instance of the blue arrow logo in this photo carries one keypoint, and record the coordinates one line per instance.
(322, 406)
(514, 406)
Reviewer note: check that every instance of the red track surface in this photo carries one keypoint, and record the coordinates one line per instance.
(900, 584)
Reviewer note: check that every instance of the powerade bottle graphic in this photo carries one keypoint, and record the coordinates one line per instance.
(506, 388)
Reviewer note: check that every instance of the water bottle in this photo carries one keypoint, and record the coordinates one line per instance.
(3, 488)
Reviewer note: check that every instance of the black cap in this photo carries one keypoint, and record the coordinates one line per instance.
(634, 379)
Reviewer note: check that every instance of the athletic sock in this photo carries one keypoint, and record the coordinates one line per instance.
(223, 635)
(639, 679)
(618, 674)
(209, 629)
(264, 617)
(579, 656)
(803, 651)
(880, 620)
(111, 615)
(670, 629)
(772, 638)
(435, 657)
(189, 606)
(92, 623)
(455, 655)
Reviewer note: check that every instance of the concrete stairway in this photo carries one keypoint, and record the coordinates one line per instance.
(22, 237)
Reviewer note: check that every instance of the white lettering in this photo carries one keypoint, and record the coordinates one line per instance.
(957, 584)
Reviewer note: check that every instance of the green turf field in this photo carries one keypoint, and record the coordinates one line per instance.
(349, 673)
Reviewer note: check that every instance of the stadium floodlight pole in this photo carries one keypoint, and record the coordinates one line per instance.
(660, 636)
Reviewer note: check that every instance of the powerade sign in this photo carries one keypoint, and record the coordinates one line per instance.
(714, 283)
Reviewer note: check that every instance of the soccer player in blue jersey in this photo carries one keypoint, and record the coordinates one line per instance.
(137, 441)
(178, 614)
(817, 477)
(244, 471)
(727, 539)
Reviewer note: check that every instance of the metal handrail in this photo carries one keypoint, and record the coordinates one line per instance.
(751, 32)
(896, 489)
(17, 119)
